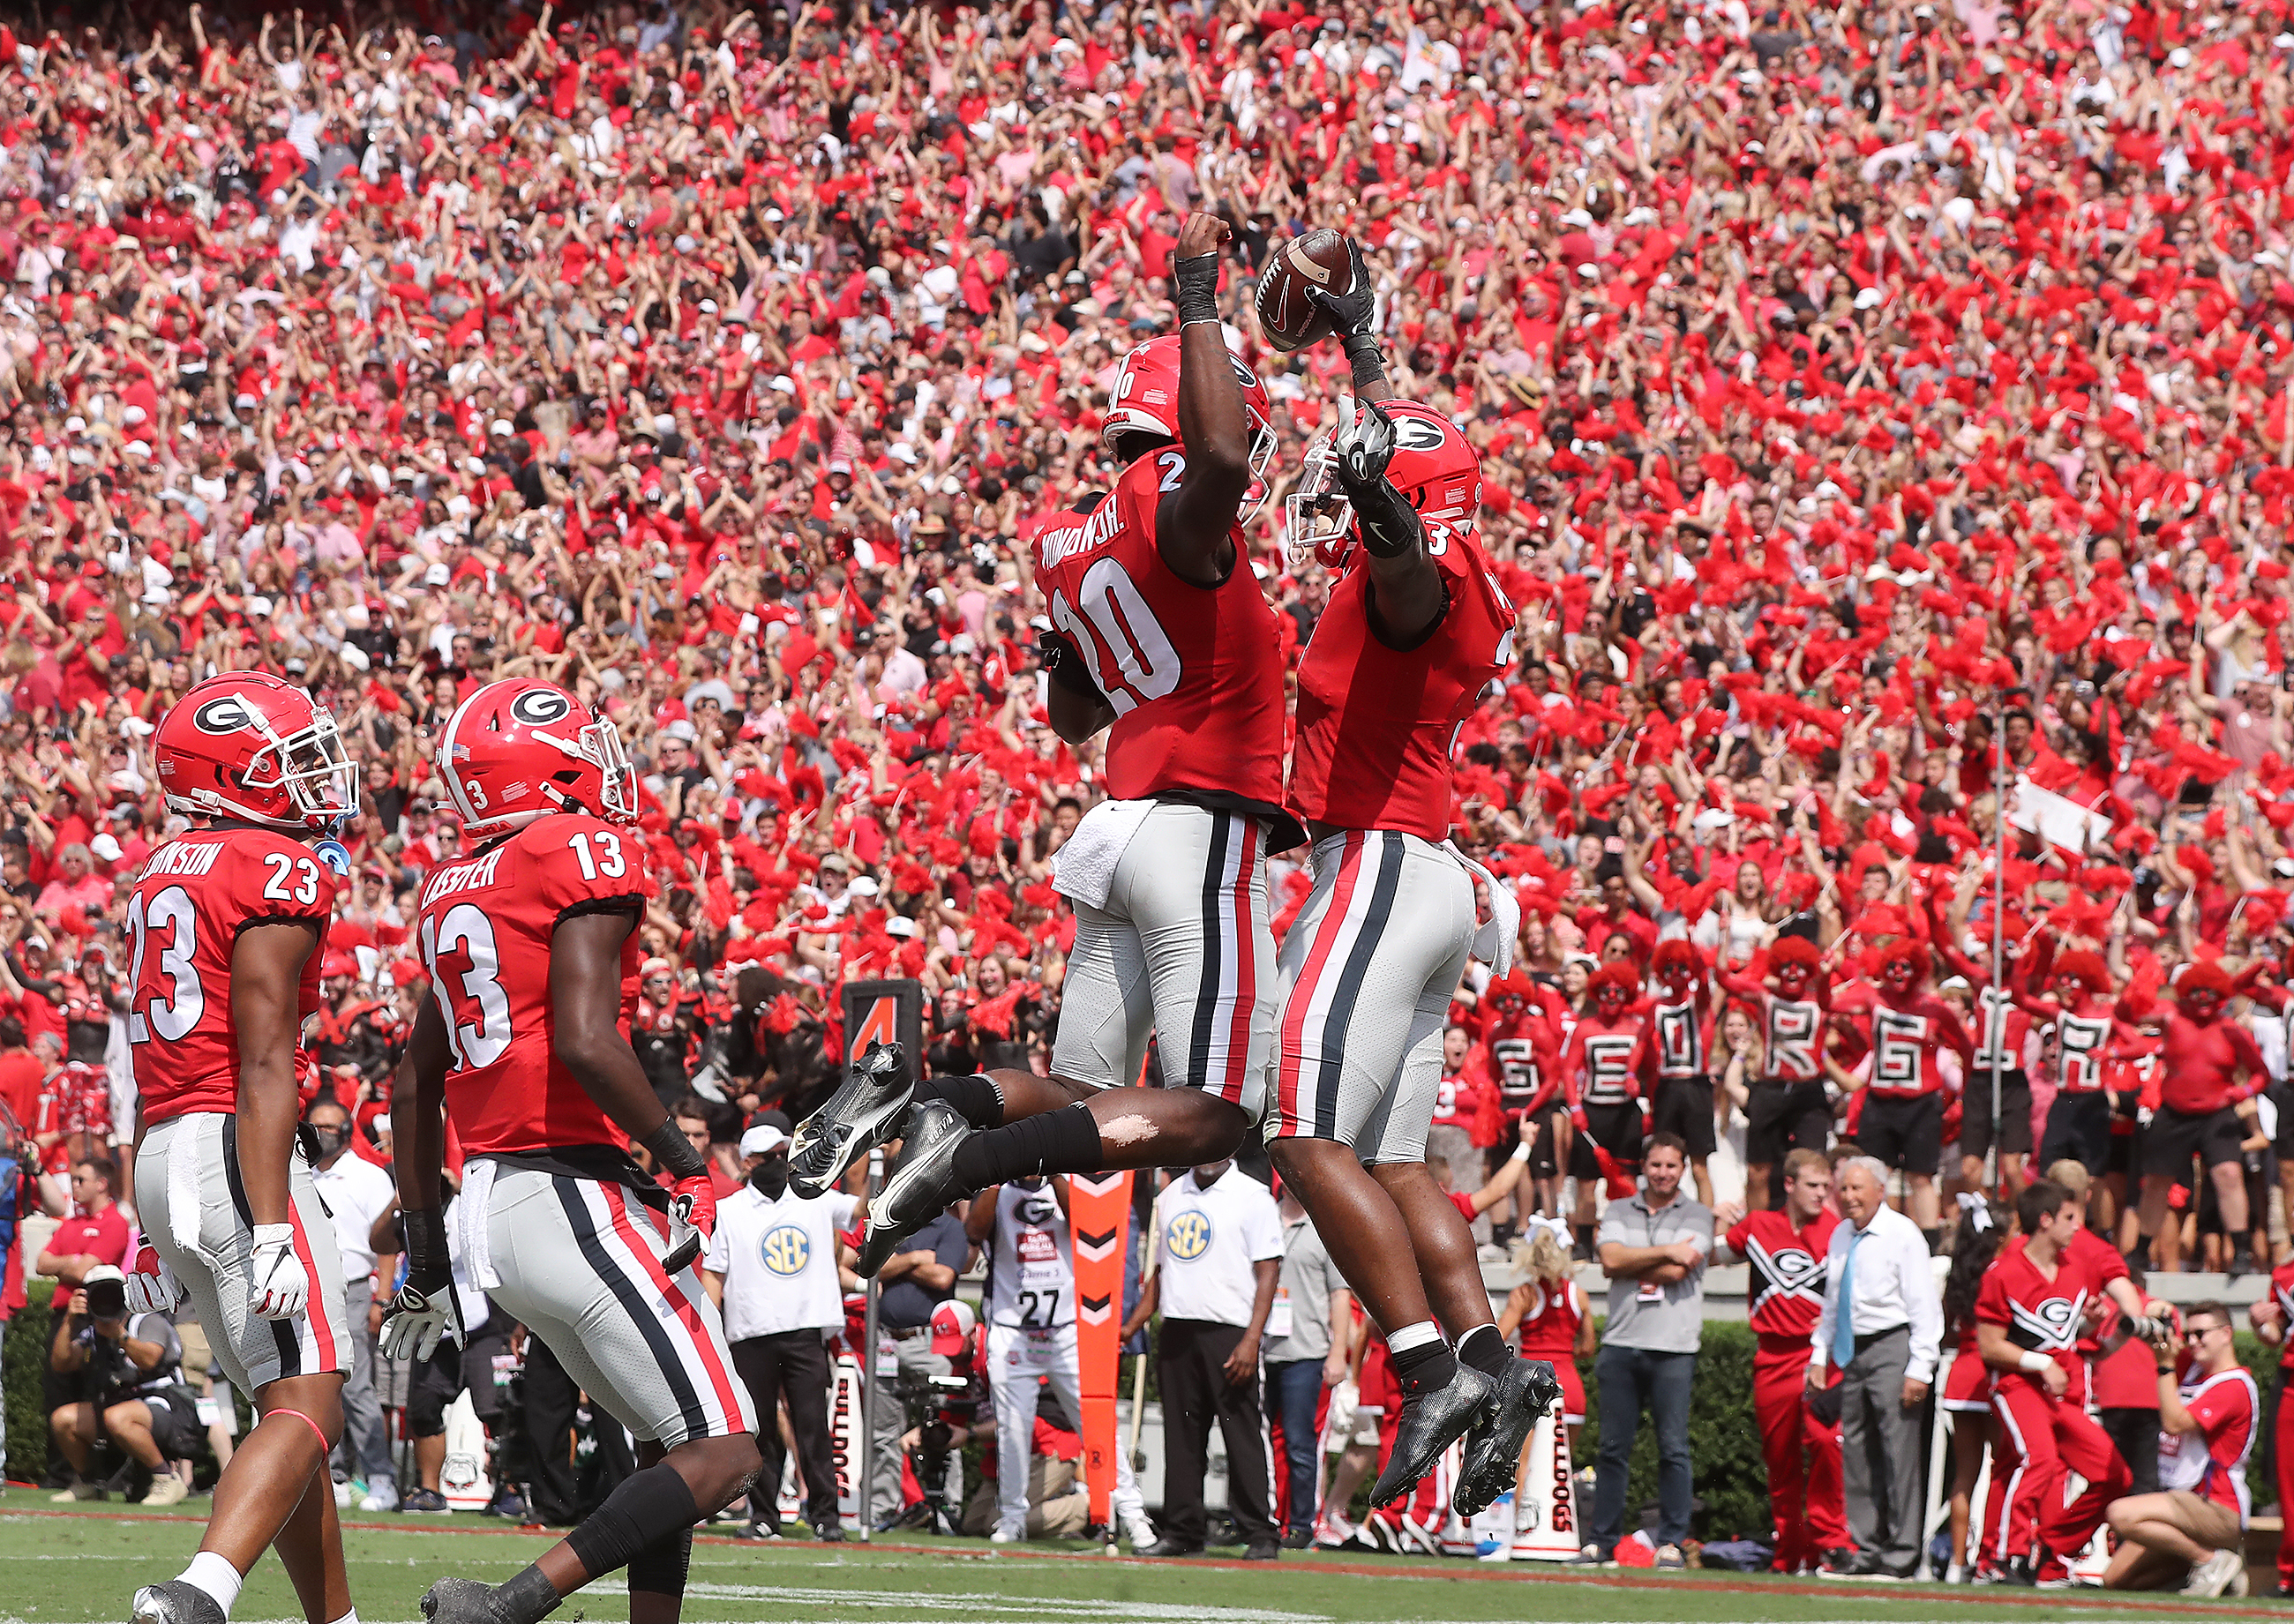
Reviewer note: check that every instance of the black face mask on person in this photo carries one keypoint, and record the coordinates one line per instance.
(331, 1137)
(770, 1177)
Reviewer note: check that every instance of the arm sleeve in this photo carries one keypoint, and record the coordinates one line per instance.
(1924, 1308)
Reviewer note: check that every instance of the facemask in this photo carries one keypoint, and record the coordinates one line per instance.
(330, 1140)
(770, 1177)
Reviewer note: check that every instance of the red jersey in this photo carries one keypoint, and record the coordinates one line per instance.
(2042, 1315)
(1785, 1294)
(1377, 725)
(1792, 1031)
(2211, 1462)
(1596, 1069)
(2282, 1290)
(1195, 673)
(197, 893)
(1905, 1041)
(75, 1103)
(2196, 1063)
(486, 924)
(1549, 1331)
(2003, 1032)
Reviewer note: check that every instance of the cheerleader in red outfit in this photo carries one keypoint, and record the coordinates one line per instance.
(1550, 1313)
(1967, 1385)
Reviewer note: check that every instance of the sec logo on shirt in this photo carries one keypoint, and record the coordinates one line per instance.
(787, 1250)
(1188, 1235)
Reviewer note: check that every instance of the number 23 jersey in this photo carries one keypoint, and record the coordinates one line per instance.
(486, 924)
(195, 896)
(1195, 673)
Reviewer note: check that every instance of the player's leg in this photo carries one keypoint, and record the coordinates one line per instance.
(2092, 1462)
(579, 1263)
(1013, 1395)
(310, 1547)
(292, 1369)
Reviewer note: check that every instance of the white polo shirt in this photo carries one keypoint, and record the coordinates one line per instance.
(1205, 1241)
(356, 1192)
(778, 1261)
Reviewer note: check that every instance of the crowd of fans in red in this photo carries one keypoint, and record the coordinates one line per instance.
(1866, 393)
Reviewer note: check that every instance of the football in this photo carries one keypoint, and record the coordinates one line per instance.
(1289, 319)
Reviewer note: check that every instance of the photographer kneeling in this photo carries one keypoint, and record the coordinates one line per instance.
(128, 1369)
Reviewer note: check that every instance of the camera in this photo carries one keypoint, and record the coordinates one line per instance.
(107, 1299)
(934, 1406)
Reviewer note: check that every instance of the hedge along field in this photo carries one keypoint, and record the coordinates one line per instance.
(1724, 1443)
(1732, 1480)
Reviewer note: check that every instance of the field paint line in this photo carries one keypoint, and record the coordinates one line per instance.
(1949, 1601)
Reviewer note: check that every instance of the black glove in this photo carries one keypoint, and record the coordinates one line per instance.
(1353, 310)
(1351, 314)
(1390, 526)
(1065, 663)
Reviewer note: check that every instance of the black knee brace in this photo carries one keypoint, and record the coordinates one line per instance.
(660, 1569)
(649, 1508)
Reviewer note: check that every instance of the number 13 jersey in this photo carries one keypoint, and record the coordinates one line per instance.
(1195, 673)
(196, 894)
(486, 924)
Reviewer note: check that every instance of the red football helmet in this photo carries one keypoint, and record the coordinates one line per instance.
(1436, 468)
(1145, 400)
(518, 749)
(254, 746)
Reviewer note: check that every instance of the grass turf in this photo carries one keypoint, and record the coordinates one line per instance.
(82, 1565)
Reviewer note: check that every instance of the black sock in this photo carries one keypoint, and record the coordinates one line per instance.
(647, 1508)
(525, 1598)
(1484, 1349)
(1425, 1367)
(976, 1098)
(1064, 1141)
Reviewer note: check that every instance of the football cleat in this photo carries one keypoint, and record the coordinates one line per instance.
(870, 1107)
(175, 1602)
(1431, 1422)
(1527, 1393)
(458, 1601)
(922, 1187)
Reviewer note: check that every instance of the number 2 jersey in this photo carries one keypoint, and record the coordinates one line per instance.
(1193, 673)
(486, 924)
(195, 896)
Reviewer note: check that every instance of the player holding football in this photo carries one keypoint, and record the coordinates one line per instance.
(531, 942)
(227, 926)
(1163, 638)
(1415, 630)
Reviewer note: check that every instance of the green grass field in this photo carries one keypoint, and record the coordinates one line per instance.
(84, 1565)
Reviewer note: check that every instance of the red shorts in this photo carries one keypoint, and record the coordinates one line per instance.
(1968, 1385)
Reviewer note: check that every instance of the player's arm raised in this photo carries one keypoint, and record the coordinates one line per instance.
(1407, 598)
(1076, 708)
(266, 972)
(1193, 525)
(585, 997)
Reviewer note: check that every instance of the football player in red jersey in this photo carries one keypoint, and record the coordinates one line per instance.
(226, 928)
(1163, 638)
(1791, 1107)
(1787, 1249)
(531, 942)
(1415, 629)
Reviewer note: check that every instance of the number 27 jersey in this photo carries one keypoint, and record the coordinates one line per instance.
(486, 924)
(1193, 673)
(195, 896)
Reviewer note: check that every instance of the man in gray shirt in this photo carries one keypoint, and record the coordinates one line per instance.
(1653, 1247)
(1308, 1335)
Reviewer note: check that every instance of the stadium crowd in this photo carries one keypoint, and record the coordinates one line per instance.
(1875, 402)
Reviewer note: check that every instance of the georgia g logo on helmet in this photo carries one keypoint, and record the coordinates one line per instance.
(539, 707)
(224, 714)
(1412, 433)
